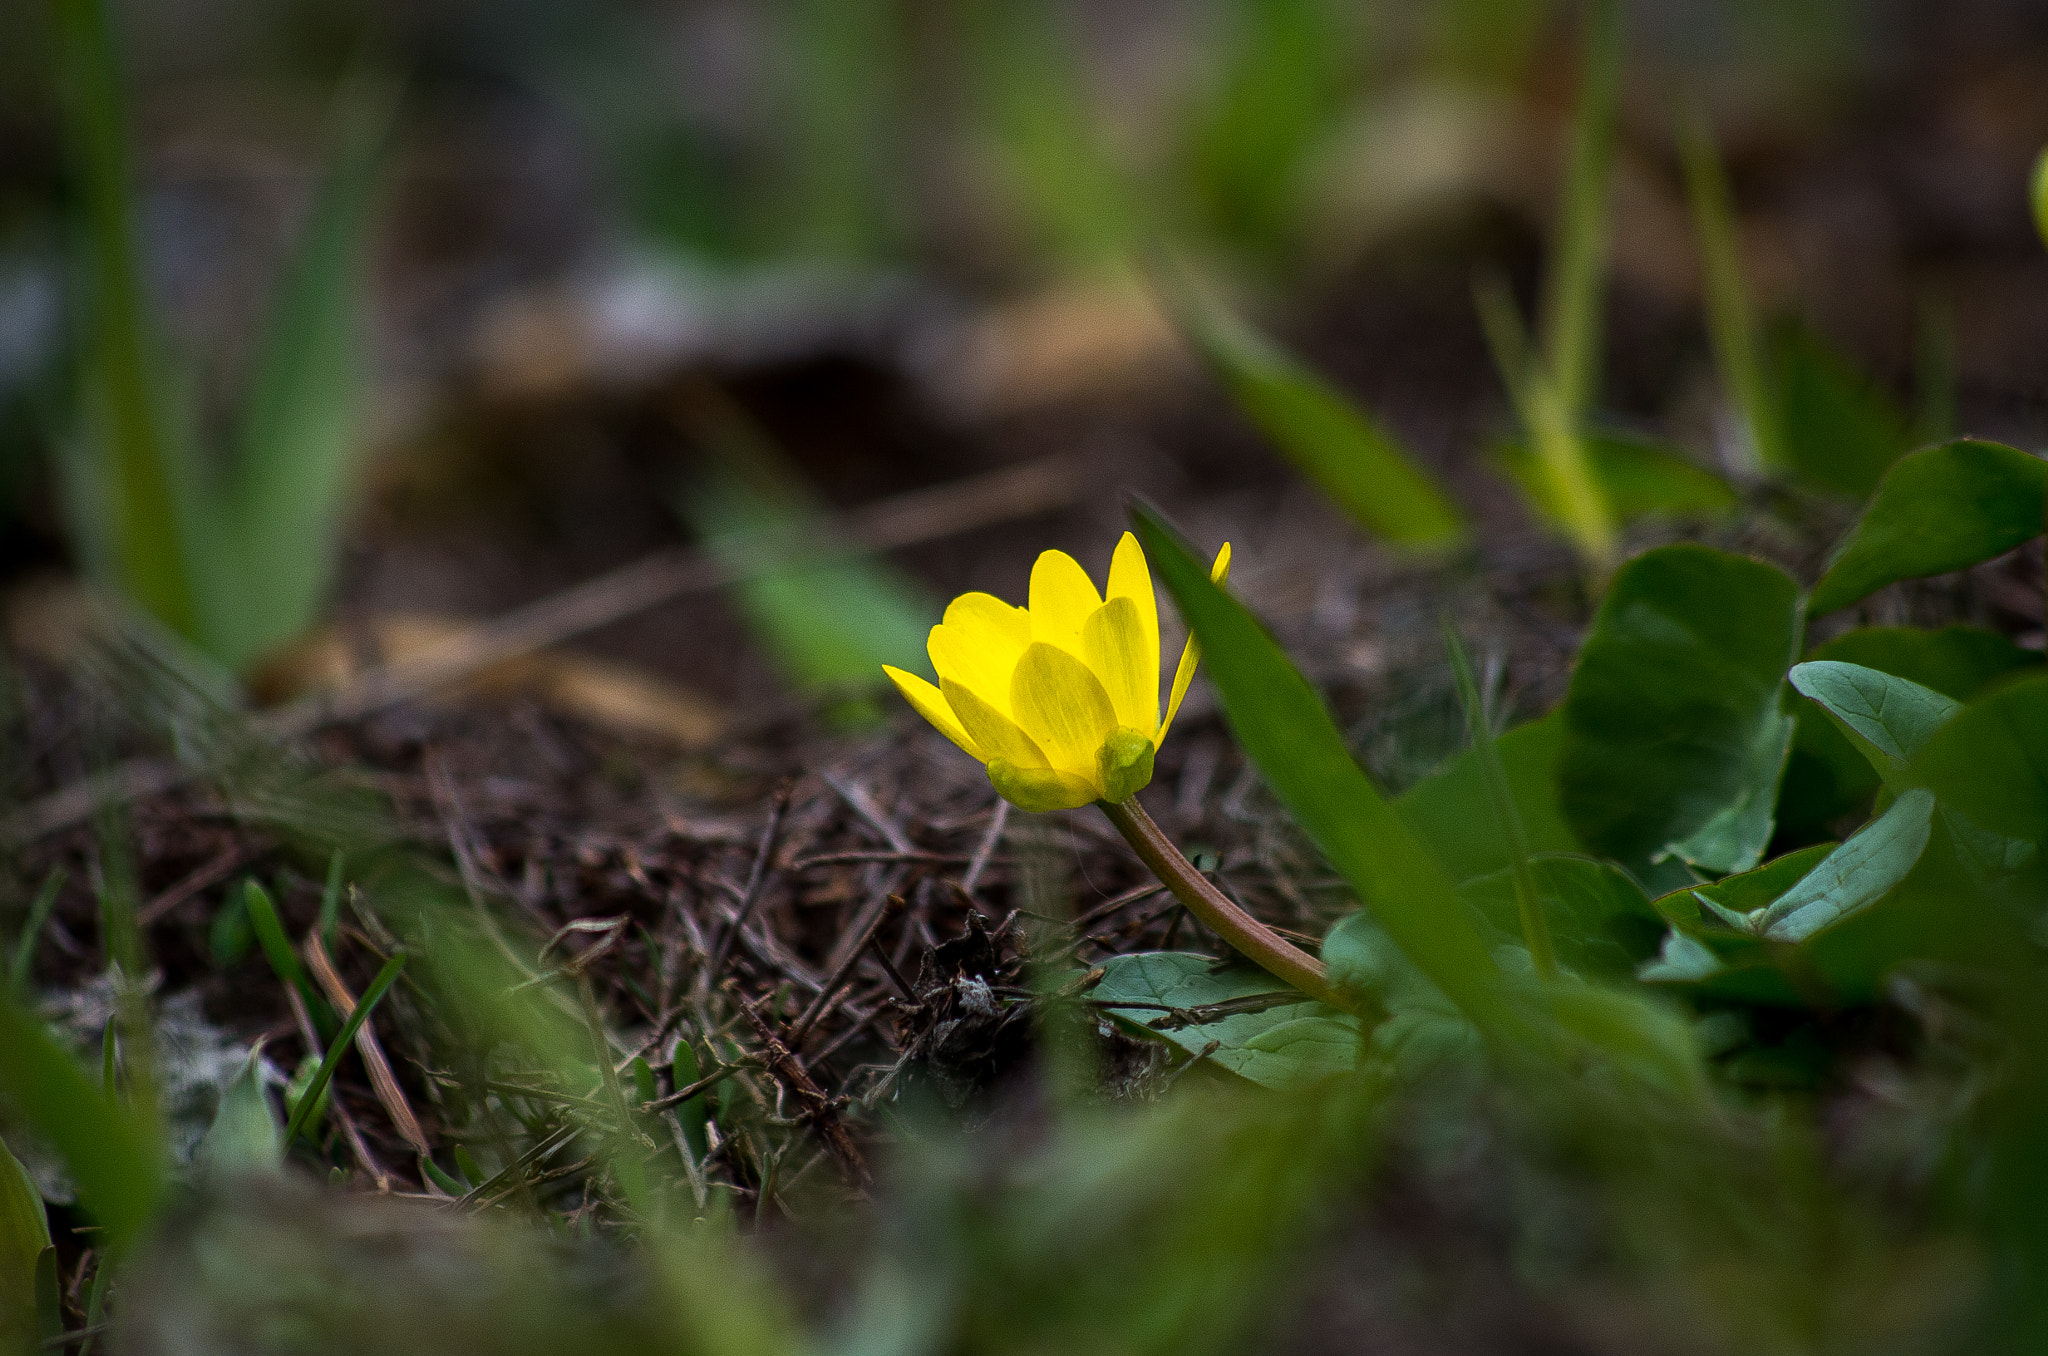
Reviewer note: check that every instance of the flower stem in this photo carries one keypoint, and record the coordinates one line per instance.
(1246, 934)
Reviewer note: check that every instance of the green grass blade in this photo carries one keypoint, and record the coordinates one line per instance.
(129, 459)
(1322, 431)
(373, 995)
(116, 1164)
(1535, 927)
(1731, 323)
(301, 424)
(1578, 272)
(1286, 730)
(24, 957)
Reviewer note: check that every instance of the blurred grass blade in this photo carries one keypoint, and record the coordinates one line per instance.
(22, 962)
(1578, 270)
(1288, 733)
(2037, 195)
(108, 1153)
(830, 617)
(1939, 509)
(132, 510)
(1506, 818)
(302, 420)
(1324, 433)
(277, 948)
(842, 93)
(1731, 324)
(310, 1098)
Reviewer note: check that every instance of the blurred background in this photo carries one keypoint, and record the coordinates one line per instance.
(404, 313)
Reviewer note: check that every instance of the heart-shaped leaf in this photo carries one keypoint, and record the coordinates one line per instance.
(1283, 1044)
(1888, 718)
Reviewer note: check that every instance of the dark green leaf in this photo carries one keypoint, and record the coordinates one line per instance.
(1288, 733)
(1285, 1046)
(1888, 718)
(1855, 875)
(1421, 1029)
(1334, 442)
(1990, 763)
(1449, 809)
(1675, 733)
(1840, 429)
(1600, 921)
(1939, 509)
(1640, 480)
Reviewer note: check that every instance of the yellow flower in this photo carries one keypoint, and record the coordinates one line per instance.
(1059, 700)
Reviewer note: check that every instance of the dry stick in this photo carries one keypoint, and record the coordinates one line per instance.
(892, 905)
(752, 894)
(864, 805)
(356, 1144)
(367, 1045)
(205, 878)
(819, 1109)
(1247, 935)
(905, 520)
(987, 849)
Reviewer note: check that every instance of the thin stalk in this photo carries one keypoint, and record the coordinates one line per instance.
(1572, 328)
(1247, 935)
(1731, 325)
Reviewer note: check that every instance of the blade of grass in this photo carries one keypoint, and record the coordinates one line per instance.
(1731, 323)
(1578, 271)
(1288, 733)
(372, 996)
(1508, 819)
(277, 949)
(133, 469)
(23, 959)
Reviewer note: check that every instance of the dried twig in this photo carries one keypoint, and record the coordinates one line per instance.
(381, 1078)
(891, 905)
(819, 1110)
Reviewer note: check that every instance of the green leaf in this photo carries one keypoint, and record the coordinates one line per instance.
(24, 1243)
(1282, 1047)
(1990, 763)
(1600, 920)
(22, 962)
(1640, 480)
(309, 1100)
(1450, 812)
(1287, 732)
(1422, 1029)
(110, 1153)
(1890, 719)
(1675, 732)
(1855, 875)
(1335, 443)
(1940, 509)
(301, 428)
(1731, 897)
(244, 1134)
(1840, 430)
(1639, 1036)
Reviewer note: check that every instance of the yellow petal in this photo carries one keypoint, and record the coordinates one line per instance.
(1191, 653)
(1041, 788)
(1062, 596)
(930, 704)
(995, 733)
(1062, 706)
(978, 643)
(1129, 578)
(1114, 643)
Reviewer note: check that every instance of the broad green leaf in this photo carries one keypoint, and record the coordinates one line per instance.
(1640, 479)
(1940, 509)
(1600, 921)
(1288, 734)
(1855, 875)
(1449, 811)
(1681, 959)
(24, 1243)
(113, 1158)
(302, 422)
(1675, 731)
(1334, 442)
(1285, 1046)
(1421, 1029)
(244, 1133)
(1839, 429)
(1990, 763)
(1888, 718)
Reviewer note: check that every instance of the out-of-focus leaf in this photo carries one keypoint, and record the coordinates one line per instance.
(1675, 732)
(1890, 719)
(112, 1157)
(1329, 437)
(1639, 1035)
(1939, 509)
(1449, 810)
(1641, 479)
(1840, 429)
(302, 420)
(1855, 875)
(1600, 921)
(24, 1244)
(244, 1133)
(1681, 959)
(1421, 1029)
(1990, 762)
(1288, 733)
(1286, 1046)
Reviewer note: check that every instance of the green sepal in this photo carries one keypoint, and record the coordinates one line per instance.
(1040, 789)
(1123, 764)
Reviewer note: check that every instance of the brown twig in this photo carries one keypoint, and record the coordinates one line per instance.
(205, 878)
(892, 905)
(356, 1144)
(818, 1109)
(382, 1081)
